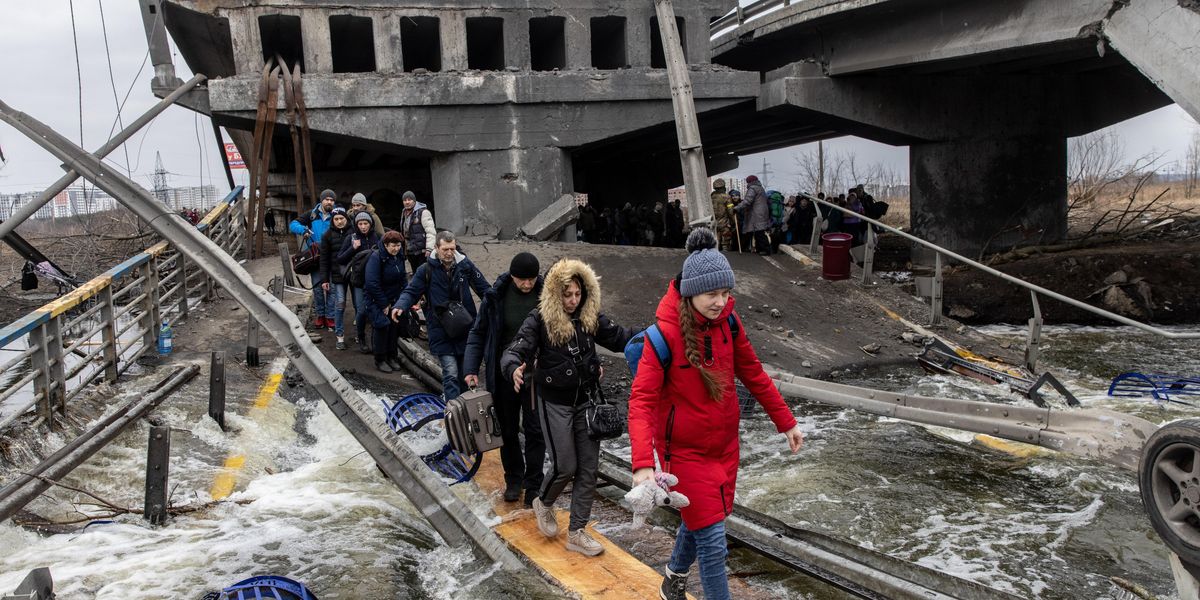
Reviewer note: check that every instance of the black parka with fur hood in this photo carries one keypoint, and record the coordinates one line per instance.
(561, 347)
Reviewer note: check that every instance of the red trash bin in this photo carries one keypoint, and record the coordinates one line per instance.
(835, 258)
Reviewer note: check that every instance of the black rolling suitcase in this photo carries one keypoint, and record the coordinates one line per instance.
(471, 423)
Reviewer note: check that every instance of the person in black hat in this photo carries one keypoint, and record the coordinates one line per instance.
(503, 309)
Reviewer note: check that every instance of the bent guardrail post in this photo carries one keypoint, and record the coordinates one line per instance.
(1035, 334)
(1095, 433)
(452, 520)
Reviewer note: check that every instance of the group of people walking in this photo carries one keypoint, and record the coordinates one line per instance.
(533, 344)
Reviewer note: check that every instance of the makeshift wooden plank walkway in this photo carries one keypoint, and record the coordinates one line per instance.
(615, 574)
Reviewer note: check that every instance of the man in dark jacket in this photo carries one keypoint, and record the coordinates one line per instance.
(447, 276)
(501, 313)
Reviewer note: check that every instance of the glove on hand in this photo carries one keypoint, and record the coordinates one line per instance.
(645, 496)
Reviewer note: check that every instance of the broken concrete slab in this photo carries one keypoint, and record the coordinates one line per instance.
(546, 224)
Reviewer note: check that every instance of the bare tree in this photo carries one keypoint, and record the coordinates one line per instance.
(1191, 165)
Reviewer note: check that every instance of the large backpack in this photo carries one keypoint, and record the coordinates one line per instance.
(356, 272)
(775, 200)
(633, 348)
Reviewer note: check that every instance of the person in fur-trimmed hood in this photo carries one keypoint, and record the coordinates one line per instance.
(555, 350)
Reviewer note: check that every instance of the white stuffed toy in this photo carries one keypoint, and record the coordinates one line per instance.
(651, 493)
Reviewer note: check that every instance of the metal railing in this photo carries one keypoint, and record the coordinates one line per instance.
(99, 329)
(935, 294)
(742, 14)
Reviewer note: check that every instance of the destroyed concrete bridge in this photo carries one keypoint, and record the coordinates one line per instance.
(491, 113)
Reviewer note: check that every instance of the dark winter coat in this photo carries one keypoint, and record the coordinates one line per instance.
(385, 278)
(331, 246)
(432, 281)
(703, 433)
(548, 335)
(756, 209)
(367, 243)
(800, 225)
(483, 343)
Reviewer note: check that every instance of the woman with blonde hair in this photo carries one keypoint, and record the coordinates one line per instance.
(555, 349)
(687, 412)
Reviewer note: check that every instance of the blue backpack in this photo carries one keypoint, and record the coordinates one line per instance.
(633, 349)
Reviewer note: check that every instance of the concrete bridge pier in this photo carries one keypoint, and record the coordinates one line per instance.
(985, 195)
(503, 187)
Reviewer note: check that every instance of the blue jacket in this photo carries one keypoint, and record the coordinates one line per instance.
(314, 220)
(465, 276)
(483, 343)
(385, 279)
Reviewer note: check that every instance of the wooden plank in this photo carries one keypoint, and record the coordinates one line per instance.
(615, 574)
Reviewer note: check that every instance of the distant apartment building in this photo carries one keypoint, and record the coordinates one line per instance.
(77, 200)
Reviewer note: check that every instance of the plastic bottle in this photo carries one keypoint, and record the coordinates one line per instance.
(165, 338)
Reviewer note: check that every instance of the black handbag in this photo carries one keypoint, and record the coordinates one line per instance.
(307, 263)
(604, 420)
(452, 315)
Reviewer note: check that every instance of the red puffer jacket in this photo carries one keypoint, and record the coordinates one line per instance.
(696, 437)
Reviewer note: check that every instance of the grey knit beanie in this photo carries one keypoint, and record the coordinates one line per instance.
(364, 216)
(358, 198)
(705, 269)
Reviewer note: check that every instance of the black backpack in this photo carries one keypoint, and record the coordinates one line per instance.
(356, 272)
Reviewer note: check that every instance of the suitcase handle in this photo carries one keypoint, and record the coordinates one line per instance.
(495, 420)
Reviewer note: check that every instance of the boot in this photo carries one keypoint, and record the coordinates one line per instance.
(546, 522)
(512, 492)
(394, 363)
(382, 366)
(579, 541)
(674, 585)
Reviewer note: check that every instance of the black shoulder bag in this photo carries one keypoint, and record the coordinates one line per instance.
(604, 420)
(453, 315)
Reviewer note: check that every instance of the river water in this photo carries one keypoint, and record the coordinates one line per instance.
(311, 506)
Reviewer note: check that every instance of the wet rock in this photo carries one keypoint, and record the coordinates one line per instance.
(806, 365)
(1116, 278)
(790, 333)
(961, 329)
(774, 353)
(779, 329)
(776, 314)
(871, 348)
(914, 338)
(959, 311)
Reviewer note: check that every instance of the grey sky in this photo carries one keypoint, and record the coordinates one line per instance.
(37, 71)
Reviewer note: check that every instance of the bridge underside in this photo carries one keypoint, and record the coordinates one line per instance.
(983, 93)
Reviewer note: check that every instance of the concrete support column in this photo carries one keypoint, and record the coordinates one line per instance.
(516, 41)
(454, 40)
(247, 42)
(388, 56)
(318, 48)
(637, 39)
(969, 194)
(579, 41)
(502, 187)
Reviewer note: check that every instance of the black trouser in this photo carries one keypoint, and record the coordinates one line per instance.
(384, 340)
(761, 244)
(513, 408)
(415, 260)
(572, 457)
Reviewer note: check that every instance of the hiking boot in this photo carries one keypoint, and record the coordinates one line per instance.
(579, 541)
(546, 522)
(383, 367)
(341, 343)
(674, 585)
(512, 492)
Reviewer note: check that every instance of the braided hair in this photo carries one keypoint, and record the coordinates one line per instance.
(687, 326)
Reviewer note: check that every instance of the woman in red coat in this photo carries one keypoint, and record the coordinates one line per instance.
(688, 413)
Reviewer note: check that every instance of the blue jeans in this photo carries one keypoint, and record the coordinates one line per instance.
(452, 368)
(321, 303)
(708, 545)
(360, 318)
(337, 296)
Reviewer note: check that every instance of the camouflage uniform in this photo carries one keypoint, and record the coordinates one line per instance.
(722, 224)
